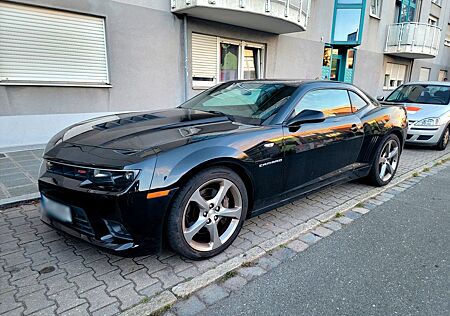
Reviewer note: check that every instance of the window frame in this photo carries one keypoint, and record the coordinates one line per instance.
(388, 87)
(241, 44)
(379, 9)
(363, 98)
(292, 112)
(343, 6)
(65, 81)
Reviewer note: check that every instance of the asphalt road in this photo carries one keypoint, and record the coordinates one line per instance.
(394, 260)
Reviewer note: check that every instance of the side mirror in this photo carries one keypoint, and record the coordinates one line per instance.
(307, 116)
(380, 98)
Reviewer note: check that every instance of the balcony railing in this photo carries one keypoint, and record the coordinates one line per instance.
(413, 40)
(274, 16)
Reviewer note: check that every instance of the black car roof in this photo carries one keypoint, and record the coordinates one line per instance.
(296, 82)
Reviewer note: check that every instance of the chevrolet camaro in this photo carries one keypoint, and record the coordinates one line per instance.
(188, 177)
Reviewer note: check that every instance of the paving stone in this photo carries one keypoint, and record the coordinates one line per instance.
(98, 298)
(85, 282)
(191, 306)
(57, 283)
(113, 280)
(67, 299)
(127, 265)
(352, 215)
(309, 238)
(141, 279)
(268, 262)
(249, 273)
(74, 268)
(212, 294)
(8, 303)
(35, 301)
(45, 312)
(322, 231)
(77, 311)
(360, 210)
(127, 296)
(167, 277)
(297, 245)
(343, 220)
(333, 225)
(283, 253)
(235, 283)
(112, 309)
(152, 290)
(27, 285)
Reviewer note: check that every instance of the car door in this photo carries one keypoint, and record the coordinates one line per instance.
(315, 151)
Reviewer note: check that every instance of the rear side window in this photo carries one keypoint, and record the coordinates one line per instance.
(332, 102)
(357, 102)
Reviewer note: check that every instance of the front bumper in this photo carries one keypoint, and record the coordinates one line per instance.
(424, 135)
(141, 220)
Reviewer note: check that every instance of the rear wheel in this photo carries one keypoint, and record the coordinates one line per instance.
(207, 213)
(386, 161)
(445, 138)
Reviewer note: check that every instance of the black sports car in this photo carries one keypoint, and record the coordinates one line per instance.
(191, 175)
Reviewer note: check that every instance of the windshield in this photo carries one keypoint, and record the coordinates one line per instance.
(421, 93)
(256, 101)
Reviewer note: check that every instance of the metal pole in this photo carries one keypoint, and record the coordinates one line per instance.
(186, 59)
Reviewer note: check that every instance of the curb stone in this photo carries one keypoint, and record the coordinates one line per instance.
(154, 306)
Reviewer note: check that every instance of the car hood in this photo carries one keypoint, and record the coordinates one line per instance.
(417, 111)
(137, 131)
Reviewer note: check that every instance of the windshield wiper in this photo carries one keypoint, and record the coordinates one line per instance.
(229, 116)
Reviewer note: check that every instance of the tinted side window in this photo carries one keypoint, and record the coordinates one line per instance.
(357, 101)
(331, 102)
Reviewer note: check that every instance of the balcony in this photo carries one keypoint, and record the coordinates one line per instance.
(274, 16)
(413, 40)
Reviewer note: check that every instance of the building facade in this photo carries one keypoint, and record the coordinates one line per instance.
(65, 61)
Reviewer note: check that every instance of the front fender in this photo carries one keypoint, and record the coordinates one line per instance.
(172, 166)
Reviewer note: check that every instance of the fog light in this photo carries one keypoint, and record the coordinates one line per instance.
(117, 230)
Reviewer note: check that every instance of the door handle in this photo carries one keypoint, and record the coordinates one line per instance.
(354, 128)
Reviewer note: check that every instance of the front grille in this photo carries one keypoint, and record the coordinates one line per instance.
(424, 137)
(73, 172)
(80, 221)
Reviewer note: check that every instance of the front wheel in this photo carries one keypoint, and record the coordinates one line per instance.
(207, 213)
(445, 138)
(387, 157)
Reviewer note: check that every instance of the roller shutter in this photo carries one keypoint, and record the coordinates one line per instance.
(204, 60)
(51, 46)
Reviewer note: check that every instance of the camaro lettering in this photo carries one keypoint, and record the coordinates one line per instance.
(270, 163)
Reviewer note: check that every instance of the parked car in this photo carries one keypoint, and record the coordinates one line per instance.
(191, 175)
(428, 106)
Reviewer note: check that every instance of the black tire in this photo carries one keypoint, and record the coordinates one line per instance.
(175, 235)
(374, 175)
(443, 142)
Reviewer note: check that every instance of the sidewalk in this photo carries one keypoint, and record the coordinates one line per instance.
(18, 175)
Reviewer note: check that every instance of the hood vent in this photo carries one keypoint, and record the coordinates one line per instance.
(125, 121)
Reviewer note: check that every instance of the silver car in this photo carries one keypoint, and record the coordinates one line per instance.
(428, 106)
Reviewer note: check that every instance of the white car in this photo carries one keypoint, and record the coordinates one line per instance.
(428, 106)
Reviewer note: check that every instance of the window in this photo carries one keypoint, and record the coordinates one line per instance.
(348, 21)
(357, 102)
(375, 7)
(395, 75)
(52, 47)
(447, 36)
(432, 20)
(331, 102)
(443, 75)
(217, 60)
(424, 74)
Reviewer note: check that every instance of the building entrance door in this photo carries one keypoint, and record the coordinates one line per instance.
(336, 61)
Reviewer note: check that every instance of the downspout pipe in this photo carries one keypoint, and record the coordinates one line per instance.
(186, 59)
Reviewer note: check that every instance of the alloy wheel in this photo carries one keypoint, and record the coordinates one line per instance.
(388, 160)
(212, 214)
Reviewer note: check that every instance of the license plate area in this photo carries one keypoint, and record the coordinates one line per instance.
(56, 210)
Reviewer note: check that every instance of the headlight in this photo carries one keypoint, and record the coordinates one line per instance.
(431, 121)
(94, 178)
